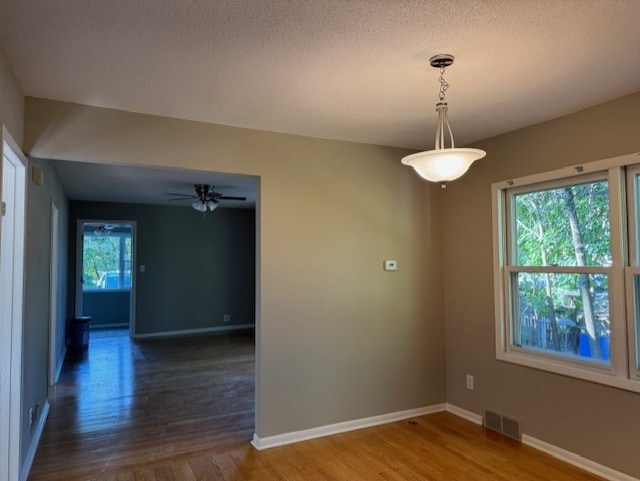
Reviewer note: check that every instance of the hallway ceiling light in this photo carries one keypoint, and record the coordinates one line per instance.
(443, 164)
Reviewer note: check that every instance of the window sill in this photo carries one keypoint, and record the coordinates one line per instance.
(105, 291)
(595, 374)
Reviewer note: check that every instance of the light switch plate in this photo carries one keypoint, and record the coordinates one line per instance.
(390, 265)
(37, 175)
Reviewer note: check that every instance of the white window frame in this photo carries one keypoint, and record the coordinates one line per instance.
(512, 266)
(621, 308)
(121, 262)
(632, 270)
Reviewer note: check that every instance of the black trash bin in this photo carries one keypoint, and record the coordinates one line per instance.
(78, 333)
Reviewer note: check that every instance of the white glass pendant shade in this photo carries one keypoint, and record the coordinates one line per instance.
(212, 205)
(443, 165)
(199, 206)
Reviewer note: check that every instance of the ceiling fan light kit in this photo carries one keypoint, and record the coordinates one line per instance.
(443, 164)
(199, 206)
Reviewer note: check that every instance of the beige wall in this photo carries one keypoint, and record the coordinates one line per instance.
(11, 99)
(35, 361)
(598, 422)
(338, 337)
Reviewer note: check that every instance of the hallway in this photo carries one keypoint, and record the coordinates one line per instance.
(130, 403)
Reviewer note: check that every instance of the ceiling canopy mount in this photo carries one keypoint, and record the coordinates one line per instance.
(442, 60)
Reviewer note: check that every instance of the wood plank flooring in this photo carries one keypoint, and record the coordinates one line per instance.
(131, 403)
(183, 411)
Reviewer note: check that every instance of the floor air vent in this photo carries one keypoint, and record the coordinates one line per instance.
(502, 424)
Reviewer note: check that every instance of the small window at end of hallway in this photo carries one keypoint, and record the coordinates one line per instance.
(106, 257)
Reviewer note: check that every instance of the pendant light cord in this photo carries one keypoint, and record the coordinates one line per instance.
(444, 85)
(441, 108)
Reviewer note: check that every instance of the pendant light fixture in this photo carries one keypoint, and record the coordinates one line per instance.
(443, 164)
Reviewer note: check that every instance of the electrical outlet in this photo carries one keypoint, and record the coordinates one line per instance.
(470, 382)
(226, 318)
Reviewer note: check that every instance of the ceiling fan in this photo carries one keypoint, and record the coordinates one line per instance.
(205, 197)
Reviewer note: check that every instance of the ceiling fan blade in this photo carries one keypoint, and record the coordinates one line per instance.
(182, 198)
(230, 197)
(180, 195)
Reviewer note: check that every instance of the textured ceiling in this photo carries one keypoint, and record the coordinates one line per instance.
(340, 69)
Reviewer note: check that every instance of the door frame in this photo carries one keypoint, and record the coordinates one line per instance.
(79, 251)
(54, 277)
(11, 353)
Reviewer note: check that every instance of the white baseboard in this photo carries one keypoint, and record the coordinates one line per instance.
(576, 460)
(559, 453)
(463, 413)
(191, 332)
(117, 325)
(304, 435)
(59, 366)
(28, 461)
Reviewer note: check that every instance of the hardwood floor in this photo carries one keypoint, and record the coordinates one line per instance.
(183, 411)
(131, 403)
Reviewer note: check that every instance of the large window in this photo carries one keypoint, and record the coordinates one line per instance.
(561, 249)
(567, 271)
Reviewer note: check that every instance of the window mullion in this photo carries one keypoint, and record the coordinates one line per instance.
(501, 290)
(631, 297)
(632, 272)
(121, 262)
(617, 307)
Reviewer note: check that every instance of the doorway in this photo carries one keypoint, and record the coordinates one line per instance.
(12, 238)
(105, 279)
